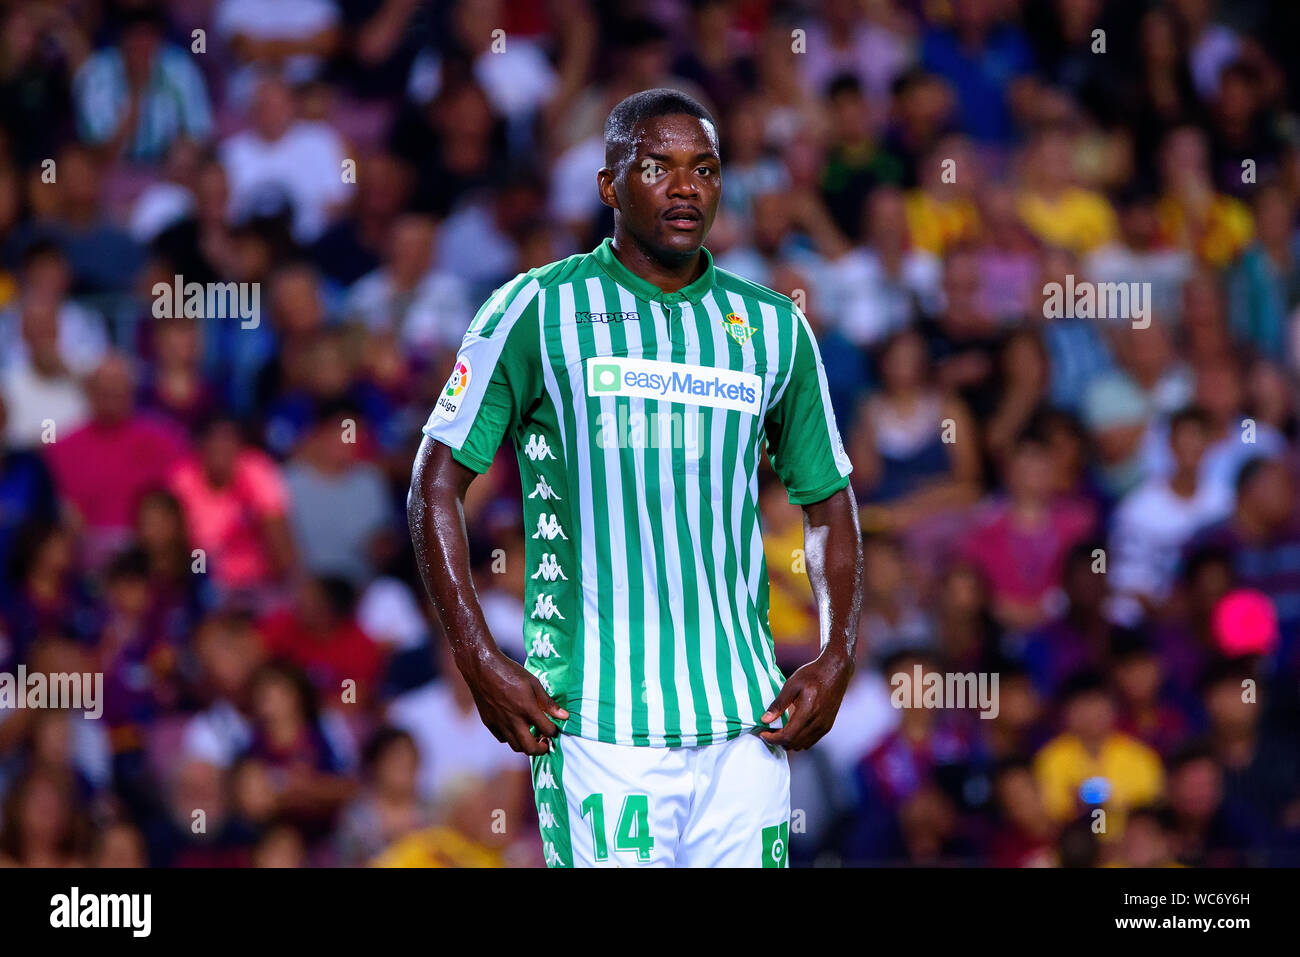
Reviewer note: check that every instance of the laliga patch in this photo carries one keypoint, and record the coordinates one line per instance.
(453, 393)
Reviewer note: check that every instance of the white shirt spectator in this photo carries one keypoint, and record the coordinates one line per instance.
(1222, 460)
(874, 54)
(573, 199)
(83, 338)
(305, 165)
(1165, 269)
(471, 248)
(31, 399)
(504, 614)
(1150, 527)
(866, 715)
(162, 204)
(452, 743)
(217, 736)
(433, 315)
(868, 304)
(518, 80)
(274, 20)
(389, 613)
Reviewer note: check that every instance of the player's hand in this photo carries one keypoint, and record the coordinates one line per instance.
(512, 703)
(812, 695)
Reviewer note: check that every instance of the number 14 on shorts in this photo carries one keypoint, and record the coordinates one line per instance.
(631, 833)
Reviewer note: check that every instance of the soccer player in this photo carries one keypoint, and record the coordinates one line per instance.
(638, 384)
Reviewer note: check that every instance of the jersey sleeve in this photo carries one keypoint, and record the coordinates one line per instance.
(803, 440)
(496, 378)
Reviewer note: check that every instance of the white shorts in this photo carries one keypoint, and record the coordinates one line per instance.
(613, 805)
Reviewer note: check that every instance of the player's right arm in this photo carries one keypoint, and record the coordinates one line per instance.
(496, 378)
(509, 699)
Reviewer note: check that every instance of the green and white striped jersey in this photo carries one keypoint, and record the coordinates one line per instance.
(638, 418)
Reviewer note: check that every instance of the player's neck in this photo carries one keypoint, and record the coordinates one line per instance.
(668, 276)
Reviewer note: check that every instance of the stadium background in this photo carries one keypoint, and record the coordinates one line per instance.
(1168, 155)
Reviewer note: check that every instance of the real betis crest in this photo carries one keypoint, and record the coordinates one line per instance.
(739, 327)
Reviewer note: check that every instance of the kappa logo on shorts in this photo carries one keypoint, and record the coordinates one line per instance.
(776, 845)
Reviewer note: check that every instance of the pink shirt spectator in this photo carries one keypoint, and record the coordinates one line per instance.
(103, 470)
(227, 522)
(1025, 563)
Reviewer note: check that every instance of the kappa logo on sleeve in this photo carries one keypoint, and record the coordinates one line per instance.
(453, 393)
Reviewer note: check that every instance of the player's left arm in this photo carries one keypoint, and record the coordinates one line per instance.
(833, 557)
(808, 456)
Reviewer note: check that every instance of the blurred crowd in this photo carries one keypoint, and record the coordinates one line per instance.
(209, 511)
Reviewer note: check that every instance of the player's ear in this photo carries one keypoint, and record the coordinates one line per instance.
(605, 187)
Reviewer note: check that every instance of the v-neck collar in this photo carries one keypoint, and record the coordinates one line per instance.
(643, 288)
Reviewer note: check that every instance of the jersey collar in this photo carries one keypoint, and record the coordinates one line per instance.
(643, 288)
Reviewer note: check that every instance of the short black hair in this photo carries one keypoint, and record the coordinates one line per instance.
(623, 119)
(1248, 471)
(1190, 415)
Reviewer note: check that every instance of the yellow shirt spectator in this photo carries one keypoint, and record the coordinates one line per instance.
(790, 613)
(437, 847)
(1226, 231)
(936, 225)
(1078, 219)
(1134, 771)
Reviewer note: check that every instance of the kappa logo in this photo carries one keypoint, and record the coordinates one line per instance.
(548, 527)
(544, 489)
(545, 608)
(453, 394)
(543, 647)
(549, 569)
(545, 779)
(552, 855)
(544, 680)
(738, 327)
(545, 816)
(537, 448)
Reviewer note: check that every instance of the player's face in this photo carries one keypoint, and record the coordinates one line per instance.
(668, 192)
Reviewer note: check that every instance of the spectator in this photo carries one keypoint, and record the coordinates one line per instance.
(390, 807)
(443, 720)
(1091, 748)
(283, 161)
(988, 63)
(1020, 547)
(320, 635)
(1155, 520)
(291, 38)
(915, 447)
(236, 508)
(136, 98)
(132, 452)
(1261, 537)
(46, 277)
(26, 495)
(1053, 205)
(41, 394)
(426, 310)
